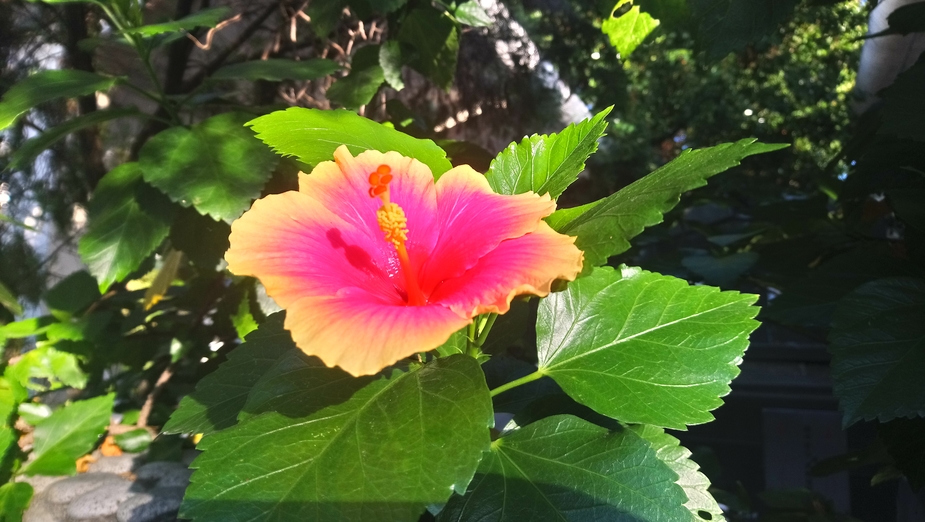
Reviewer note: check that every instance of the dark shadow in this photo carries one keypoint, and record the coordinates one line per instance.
(356, 256)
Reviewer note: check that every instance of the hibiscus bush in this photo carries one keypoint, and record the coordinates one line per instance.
(349, 321)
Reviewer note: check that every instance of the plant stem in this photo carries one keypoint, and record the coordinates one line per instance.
(517, 382)
(483, 334)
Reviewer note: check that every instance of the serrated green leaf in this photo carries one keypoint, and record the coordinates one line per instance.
(73, 293)
(14, 499)
(626, 30)
(471, 13)
(69, 433)
(362, 83)
(312, 136)
(385, 452)
(604, 228)
(128, 220)
(45, 362)
(564, 468)
(456, 344)
(220, 395)
(547, 164)
(878, 349)
(133, 441)
(390, 59)
(694, 483)
(642, 347)
(217, 167)
(206, 18)
(44, 86)
(277, 69)
(28, 151)
(433, 35)
(905, 442)
(9, 301)
(726, 26)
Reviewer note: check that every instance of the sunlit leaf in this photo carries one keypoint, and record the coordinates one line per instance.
(133, 441)
(14, 499)
(381, 452)
(128, 220)
(547, 164)
(312, 135)
(471, 13)
(45, 362)
(878, 349)
(206, 18)
(564, 468)
(48, 85)
(217, 166)
(627, 28)
(390, 59)
(164, 278)
(70, 432)
(642, 347)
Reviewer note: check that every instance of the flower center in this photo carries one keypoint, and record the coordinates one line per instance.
(394, 224)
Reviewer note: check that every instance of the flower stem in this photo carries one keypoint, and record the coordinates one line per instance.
(517, 382)
(483, 334)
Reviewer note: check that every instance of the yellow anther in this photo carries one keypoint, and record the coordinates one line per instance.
(393, 223)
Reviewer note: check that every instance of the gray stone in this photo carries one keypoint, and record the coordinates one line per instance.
(39, 483)
(154, 471)
(101, 502)
(72, 487)
(119, 464)
(175, 478)
(158, 505)
(41, 510)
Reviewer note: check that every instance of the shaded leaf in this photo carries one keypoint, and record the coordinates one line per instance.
(9, 301)
(48, 85)
(73, 293)
(720, 271)
(128, 220)
(903, 106)
(203, 239)
(456, 344)
(905, 19)
(390, 59)
(70, 432)
(362, 83)
(547, 164)
(14, 499)
(878, 349)
(206, 18)
(220, 395)
(380, 454)
(217, 167)
(28, 151)
(277, 69)
(642, 347)
(325, 15)
(564, 468)
(694, 483)
(604, 228)
(626, 29)
(726, 26)
(905, 441)
(312, 135)
(433, 35)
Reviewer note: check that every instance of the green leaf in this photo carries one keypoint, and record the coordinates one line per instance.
(45, 362)
(642, 347)
(903, 106)
(217, 167)
(456, 344)
(34, 412)
(73, 293)
(383, 452)
(605, 227)
(547, 164)
(694, 483)
(628, 28)
(390, 59)
(26, 327)
(69, 433)
(312, 136)
(362, 83)
(726, 26)
(277, 70)
(471, 13)
(14, 499)
(128, 220)
(48, 85)
(203, 239)
(133, 441)
(243, 320)
(565, 468)
(206, 18)
(905, 442)
(9, 301)
(220, 395)
(434, 37)
(721, 271)
(28, 151)
(325, 15)
(878, 349)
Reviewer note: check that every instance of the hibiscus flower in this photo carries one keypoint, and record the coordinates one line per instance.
(374, 261)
